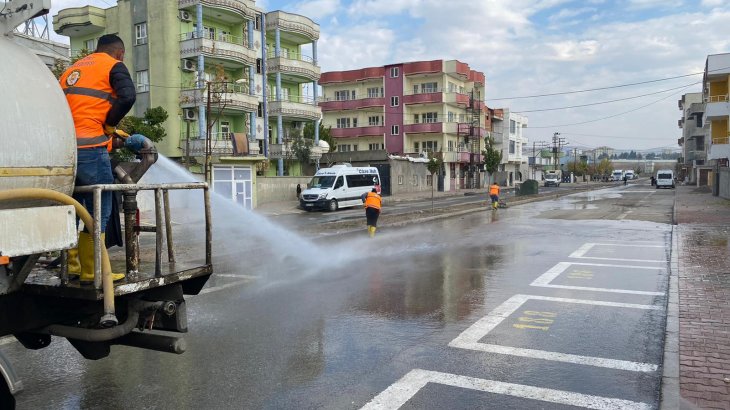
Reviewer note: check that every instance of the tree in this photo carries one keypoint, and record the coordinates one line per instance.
(60, 66)
(492, 157)
(433, 165)
(605, 167)
(324, 134)
(150, 125)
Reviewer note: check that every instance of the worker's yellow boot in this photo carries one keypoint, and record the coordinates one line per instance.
(73, 268)
(86, 257)
(371, 230)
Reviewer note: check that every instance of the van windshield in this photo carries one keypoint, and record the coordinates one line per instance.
(325, 181)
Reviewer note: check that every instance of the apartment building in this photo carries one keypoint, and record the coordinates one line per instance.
(411, 109)
(694, 165)
(236, 82)
(508, 137)
(717, 109)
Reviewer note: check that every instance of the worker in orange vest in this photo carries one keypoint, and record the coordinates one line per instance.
(494, 194)
(373, 203)
(100, 92)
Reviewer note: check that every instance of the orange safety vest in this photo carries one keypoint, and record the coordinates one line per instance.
(373, 201)
(494, 189)
(90, 96)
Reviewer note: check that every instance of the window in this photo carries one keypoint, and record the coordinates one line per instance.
(450, 145)
(430, 146)
(511, 147)
(394, 130)
(375, 92)
(260, 111)
(376, 146)
(209, 32)
(394, 72)
(429, 87)
(512, 126)
(140, 34)
(429, 117)
(343, 95)
(700, 143)
(394, 102)
(415, 118)
(452, 87)
(360, 180)
(343, 148)
(451, 116)
(90, 44)
(284, 94)
(354, 124)
(143, 81)
(375, 121)
(258, 66)
(257, 22)
(225, 129)
(343, 123)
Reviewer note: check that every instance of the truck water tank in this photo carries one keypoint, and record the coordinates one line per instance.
(37, 138)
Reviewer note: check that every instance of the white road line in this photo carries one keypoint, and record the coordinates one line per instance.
(469, 338)
(547, 277)
(580, 252)
(397, 394)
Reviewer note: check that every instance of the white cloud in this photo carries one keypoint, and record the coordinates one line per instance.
(315, 9)
(713, 3)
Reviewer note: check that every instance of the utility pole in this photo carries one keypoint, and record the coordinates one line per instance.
(558, 143)
(575, 161)
(208, 130)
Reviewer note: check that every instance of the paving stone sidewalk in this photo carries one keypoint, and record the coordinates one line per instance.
(703, 247)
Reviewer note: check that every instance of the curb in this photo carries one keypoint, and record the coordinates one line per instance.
(670, 375)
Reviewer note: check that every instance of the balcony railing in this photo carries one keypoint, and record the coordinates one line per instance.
(290, 55)
(223, 95)
(721, 139)
(223, 46)
(245, 8)
(717, 98)
(220, 144)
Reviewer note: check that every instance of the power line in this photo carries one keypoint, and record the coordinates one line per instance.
(604, 88)
(607, 102)
(610, 116)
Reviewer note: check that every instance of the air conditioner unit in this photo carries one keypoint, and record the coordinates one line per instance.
(190, 114)
(184, 15)
(188, 65)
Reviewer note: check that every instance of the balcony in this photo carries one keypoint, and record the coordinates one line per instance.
(79, 21)
(341, 105)
(224, 47)
(293, 66)
(292, 27)
(717, 107)
(226, 96)
(243, 8)
(424, 128)
(299, 108)
(358, 132)
(221, 144)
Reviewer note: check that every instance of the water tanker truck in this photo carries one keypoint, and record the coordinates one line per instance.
(38, 224)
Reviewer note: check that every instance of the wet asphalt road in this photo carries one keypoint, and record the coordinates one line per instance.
(551, 304)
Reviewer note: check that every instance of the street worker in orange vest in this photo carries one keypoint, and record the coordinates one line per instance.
(494, 195)
(100, 92)
(373, 203)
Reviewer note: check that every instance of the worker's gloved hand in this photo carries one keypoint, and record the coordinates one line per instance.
(109, 130)
(120, 133)
(135, 142)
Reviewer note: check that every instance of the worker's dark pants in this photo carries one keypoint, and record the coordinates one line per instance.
(372, 215)
(93, 167)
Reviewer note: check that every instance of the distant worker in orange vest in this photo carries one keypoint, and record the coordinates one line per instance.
(373, 203)
(494, 195)
(100, 92)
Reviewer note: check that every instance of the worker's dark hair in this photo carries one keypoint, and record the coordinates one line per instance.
(109, 42)
(374, 190)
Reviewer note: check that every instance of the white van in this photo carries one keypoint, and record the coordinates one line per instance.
(664, 178)
(339, 187)
(629, 174)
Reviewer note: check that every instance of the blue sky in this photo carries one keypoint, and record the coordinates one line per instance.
(530, 47)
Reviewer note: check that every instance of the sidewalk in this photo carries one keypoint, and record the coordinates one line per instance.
(291, 206)
(703, 259)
